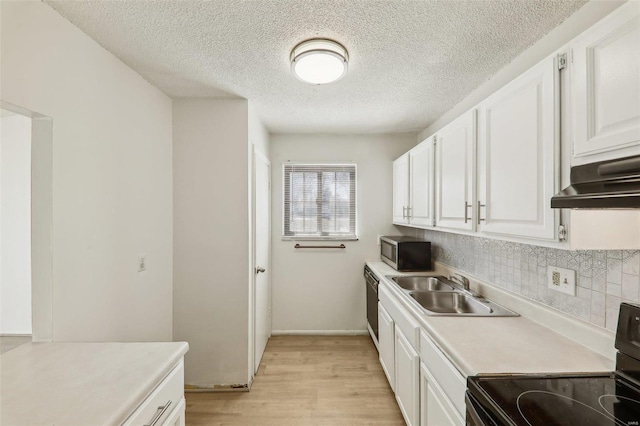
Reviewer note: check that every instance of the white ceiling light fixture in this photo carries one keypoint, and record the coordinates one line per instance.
(319, 61)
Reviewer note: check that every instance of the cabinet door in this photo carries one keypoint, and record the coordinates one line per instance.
(407, 379)
(421, 184)
(386, 343)
(401, 189)
(435, 408)
(605, 88)
(455, 159)
(517, 130)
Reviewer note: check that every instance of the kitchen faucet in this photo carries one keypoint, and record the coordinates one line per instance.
(461, 280)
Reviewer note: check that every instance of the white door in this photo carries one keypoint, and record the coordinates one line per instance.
(421, 184)
(401, 190)
(407, 363)
(605, 87)
(262, 262)
(517, 130)
(455, 159)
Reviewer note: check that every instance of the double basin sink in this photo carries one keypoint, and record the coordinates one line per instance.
(440, 296)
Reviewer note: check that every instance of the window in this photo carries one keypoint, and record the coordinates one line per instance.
(319, 201)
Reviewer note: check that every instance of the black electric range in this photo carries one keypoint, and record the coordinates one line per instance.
(594, 399)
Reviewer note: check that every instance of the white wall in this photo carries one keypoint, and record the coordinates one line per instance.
(15, 225)
(582, 19)
(211, 238)
(321, 290)
(112, 176)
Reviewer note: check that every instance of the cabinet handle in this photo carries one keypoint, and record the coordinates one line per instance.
(409, 212)
(466, 207)
(479, 216)
(159, 413)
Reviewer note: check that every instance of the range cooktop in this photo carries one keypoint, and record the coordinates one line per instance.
(606, 399)
(589, 399)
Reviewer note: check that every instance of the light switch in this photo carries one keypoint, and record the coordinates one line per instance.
(142, 262)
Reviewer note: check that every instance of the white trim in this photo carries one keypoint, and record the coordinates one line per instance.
(320, 332)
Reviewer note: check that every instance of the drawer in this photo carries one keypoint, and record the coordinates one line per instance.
(177, 417)
(170, 391)
(452, 383)
(403, 319)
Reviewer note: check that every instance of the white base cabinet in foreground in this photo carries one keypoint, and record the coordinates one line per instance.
(166, 404)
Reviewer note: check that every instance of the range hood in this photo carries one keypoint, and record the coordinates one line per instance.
(613, 184)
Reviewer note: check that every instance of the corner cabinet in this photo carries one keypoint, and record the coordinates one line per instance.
(605, 84)
(413, 186)
(455, 169)
(517, 153)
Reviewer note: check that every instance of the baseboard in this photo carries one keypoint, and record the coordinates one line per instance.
(216, 388)
(319, 332)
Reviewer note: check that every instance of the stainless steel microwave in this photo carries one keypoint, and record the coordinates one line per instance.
(406, 253)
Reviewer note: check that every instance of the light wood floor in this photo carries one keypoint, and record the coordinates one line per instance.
(306, 380)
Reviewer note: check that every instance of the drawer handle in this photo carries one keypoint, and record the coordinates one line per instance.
(159, 413)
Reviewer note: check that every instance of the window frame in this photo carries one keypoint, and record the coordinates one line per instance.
(286, 203)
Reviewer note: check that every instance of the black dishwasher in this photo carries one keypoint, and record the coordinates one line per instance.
(372, 303)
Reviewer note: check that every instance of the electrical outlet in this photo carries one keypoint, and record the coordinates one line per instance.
(562, 280)
(142, 262)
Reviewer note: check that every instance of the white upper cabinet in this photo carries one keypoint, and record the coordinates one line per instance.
(455, 159)
(421, 184)
(517, 142)
(605, 84)
(413, 186)
(401, 190)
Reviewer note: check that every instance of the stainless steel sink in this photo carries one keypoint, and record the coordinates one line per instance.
(450, 303)
(422, 283)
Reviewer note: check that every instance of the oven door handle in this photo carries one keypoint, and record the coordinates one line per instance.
(471, 410)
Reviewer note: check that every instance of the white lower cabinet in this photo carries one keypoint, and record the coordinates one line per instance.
(166, 404)
(407, 379)
(386, 344)
(435, 407)
(428, 388)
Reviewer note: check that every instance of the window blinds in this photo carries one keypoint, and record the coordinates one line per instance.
(319, 201)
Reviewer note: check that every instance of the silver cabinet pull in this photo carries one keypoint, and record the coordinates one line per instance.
(404, 216)
(259, 269)
(479, 215)
(466, 207)
(159, 413)
(409, 212)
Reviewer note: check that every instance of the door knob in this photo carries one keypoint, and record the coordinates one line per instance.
(259, 269)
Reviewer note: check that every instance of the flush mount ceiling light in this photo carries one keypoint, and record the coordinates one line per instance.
(319, 61)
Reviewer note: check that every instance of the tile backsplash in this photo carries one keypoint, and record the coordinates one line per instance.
(603, 278)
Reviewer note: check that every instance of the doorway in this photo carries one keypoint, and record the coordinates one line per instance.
(15, 229)
(262, 255)
(26, 223)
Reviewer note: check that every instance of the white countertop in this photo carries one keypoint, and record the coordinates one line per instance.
(81, 383)
(499, 345)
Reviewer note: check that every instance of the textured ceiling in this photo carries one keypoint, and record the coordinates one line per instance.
(410, 61)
